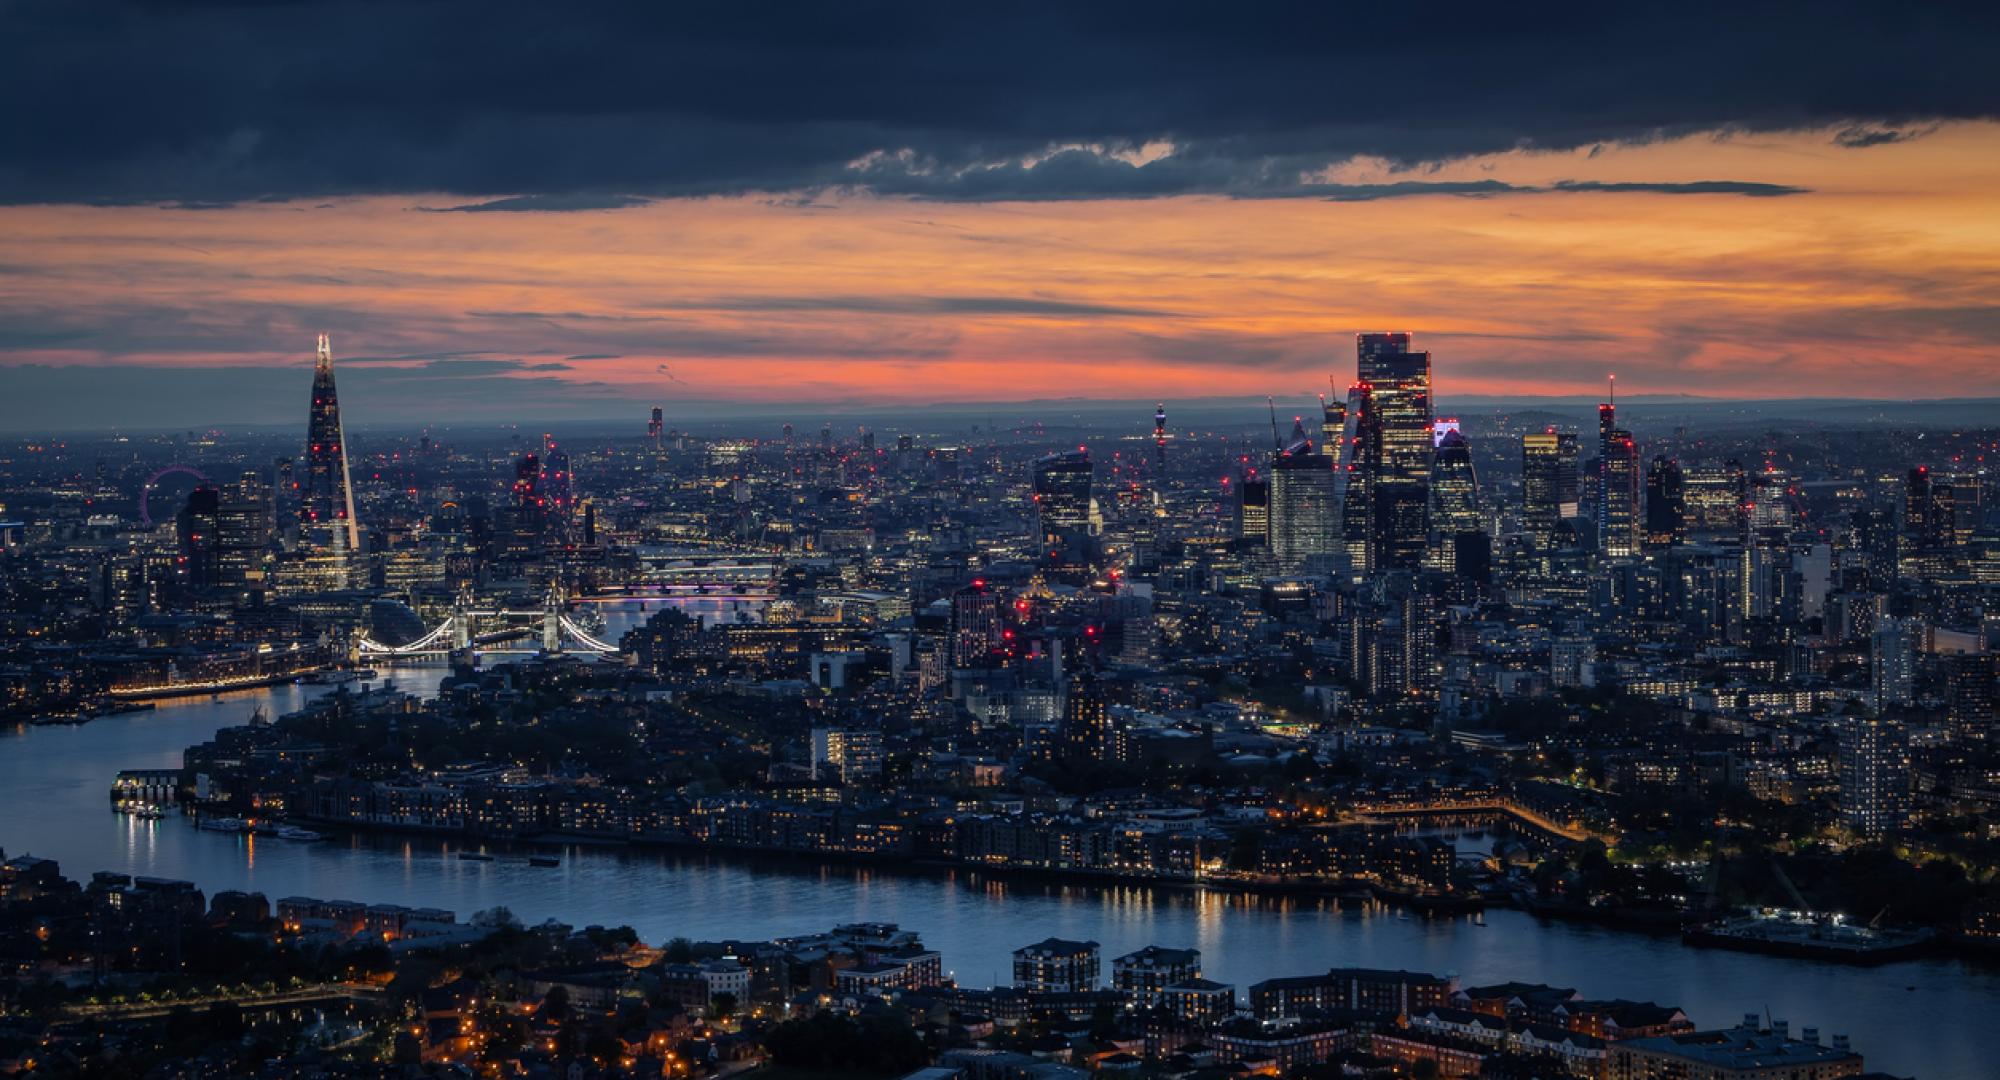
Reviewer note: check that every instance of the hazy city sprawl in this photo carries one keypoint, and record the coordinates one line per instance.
(1055, 542)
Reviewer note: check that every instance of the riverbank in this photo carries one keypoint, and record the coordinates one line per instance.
(1922, 1017)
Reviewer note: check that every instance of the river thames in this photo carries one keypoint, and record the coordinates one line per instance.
(1926, 1018)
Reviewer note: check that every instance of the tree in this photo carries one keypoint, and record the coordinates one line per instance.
(497, 918)
(722, 1006)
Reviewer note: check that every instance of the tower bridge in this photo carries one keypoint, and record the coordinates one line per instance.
(458, 630)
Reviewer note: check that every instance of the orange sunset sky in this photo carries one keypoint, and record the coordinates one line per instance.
(1880, 278)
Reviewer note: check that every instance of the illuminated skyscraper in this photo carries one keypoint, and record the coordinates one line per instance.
(1305, 507)
(976, 626)
(326, 503)
(1332, 426)
(1086, 721)
(1892, 662)
(558, 492)
(1398, 463)
(1062, 511)
(1359, 465)
(244, 527)
(1928, 511)
(1874, 775)
(1454, 495)
(1253, 507)
(1618, 483)
(1548, 485)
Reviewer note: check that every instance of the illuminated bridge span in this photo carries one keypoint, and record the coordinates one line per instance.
(1446, 806)
(558, 631)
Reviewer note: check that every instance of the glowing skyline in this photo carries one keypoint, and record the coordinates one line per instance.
(1823, 260)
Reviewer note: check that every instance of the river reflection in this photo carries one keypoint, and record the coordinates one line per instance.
(1926, 1018)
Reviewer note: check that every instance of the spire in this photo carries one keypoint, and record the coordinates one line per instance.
(325, 355)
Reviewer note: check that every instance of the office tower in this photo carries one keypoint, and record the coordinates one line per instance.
(1160, 434)
(1358, 466)
(1892, 659)
(245, 522)
(1618, 484)
(1454, 496)
(1399, 461)
(528, 483)
(1332, 427)
(1714, 499)
(655, 426)
(1305, 508)
(1086, 722)
(1253, 507)
(1929, 516)
(1812, 566)
(1062, 512)
(1969, 685)
(1767, 590)
(199, 528)
(558, 492)
(522, 525)
(1666, 503)
(326, 504)
(1874, 775)
(975, 625)
(1548, 485)
(1967, 504)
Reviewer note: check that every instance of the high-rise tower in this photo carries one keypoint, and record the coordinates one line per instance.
(1548, 485)
(1618, 477)
(1399, 464)
(1304, 507)
(1666, 503)
(1062, 512)
(1454, 497)
(326, 505)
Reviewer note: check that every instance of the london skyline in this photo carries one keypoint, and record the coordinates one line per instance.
(908, 207)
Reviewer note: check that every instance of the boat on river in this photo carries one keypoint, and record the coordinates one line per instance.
(1814, 937)
(223, 824)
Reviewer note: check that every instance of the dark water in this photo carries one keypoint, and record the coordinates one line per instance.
(1930, 1018)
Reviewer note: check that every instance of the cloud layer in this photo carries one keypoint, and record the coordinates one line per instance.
(527, 106)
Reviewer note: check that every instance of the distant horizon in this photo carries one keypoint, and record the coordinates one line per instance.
(1012, 414)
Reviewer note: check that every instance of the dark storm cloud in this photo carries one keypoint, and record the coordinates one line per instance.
(928, 305)
(1484, 188)
(545, 203)
(1861, 136)
(521, 106)
(1695, 187)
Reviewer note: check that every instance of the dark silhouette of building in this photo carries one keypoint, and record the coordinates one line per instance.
(1666, 503)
